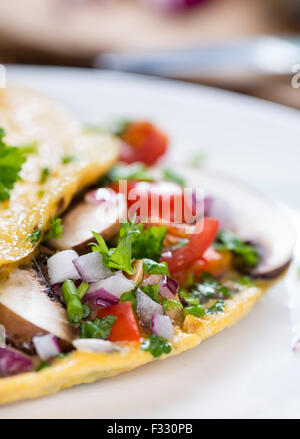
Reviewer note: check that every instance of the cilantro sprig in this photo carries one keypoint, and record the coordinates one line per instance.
(156, 346)
(56, 229)
(99, 328)
(11, 161)
(245, 255)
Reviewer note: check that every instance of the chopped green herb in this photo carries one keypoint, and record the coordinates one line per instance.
(152, 267)
(194, 310)
(245, 255)
(189, 298)
(130, 296)
(42, 365)
(34, 237)
(207, 288)
(119, 126)
(56, 229)
(118, 258)
(30, 148)
(45, 172)
(41, 193)
(75, 309)
(135, 171)
(99, 328)
(156, 346)
(169, 304)
(216, 308)
(151, 291)
(68, 159)
(246, 281)
(61, 356)
(148, 244)
(82, 289)
(170, 175)
(11, 161)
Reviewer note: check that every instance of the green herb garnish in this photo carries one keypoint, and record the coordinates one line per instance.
(246, 281)
(170, 175)
(45, 173)
(245, 255)
(194, 310)
(216, 308)
(152, 267)
(56, 229)
(42, 365)
(135, 171)
(156, 346)
(99, 328)
(34, 237)
(30, 148)
(169, 304)
(68, 159)
(130, 296)
(11, 161)
(151, 291)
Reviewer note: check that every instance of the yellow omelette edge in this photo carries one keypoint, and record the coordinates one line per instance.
(85, 367)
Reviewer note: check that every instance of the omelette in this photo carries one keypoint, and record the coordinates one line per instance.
(94, 278)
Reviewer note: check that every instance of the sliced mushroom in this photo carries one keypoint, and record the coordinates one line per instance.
(85, 218)
(27, 309)
(253, 217)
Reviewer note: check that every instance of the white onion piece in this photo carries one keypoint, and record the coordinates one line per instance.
(46, 346)
(162, 326)
(90, 267)
(2, 336)
(117, 284)
(95, 345)
(61, 267)
(146, 307)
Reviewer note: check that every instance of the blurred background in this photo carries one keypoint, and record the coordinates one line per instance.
(248, 46)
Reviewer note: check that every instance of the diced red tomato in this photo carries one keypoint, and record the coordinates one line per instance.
(125, 327)
(157, 200)
(143, 142)
(214, 262)
(184, 257)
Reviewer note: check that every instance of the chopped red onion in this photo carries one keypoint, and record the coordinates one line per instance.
(100, 298)
(95, 345)
(162, 326)
(99, 196)
(46, 346)
(2, 336)
(146, 307)
(117, 284)
(12, 363)
(90, 267)
(168, 287)
(61, 267)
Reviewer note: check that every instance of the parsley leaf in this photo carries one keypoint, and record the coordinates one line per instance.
(68, 159)
(130, 296)
(148, 244)
(45, 172)
(152, 267)
(156, 345)
(34, 237)
(194, 310)
(56, 229)
(151, 291)
(245, 255)
(135, 171)
(169, 304)
(11, 161)
(42, 365)
(99, 328)
(216, 308)
(29, 148)
(118, 258)
(170, 175)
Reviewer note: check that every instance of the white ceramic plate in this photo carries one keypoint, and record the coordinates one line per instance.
(248, 370)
